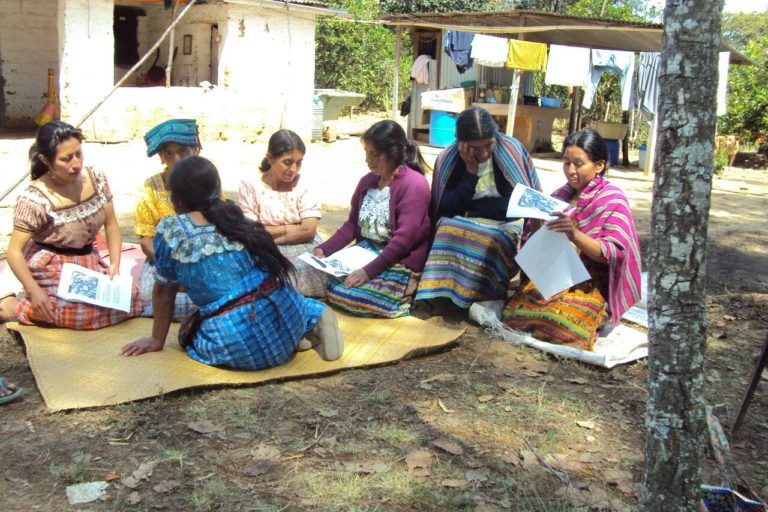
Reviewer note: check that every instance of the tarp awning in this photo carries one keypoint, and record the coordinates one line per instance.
(550, 28)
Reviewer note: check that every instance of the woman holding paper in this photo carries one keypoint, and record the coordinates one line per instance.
(249, 316)
(472, 256)
(284, 204)
(56, 221)
(600, 226)
(390, 217)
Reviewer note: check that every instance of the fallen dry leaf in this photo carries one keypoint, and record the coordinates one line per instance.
(134, 498)
(111, 477)
(449, 446)
(586, 424)
(440, 377)
(443, 407)
(165, 486)
(419, 460)
(328, 413)
(204, 427)
(577, 380)
(507, 384)
(257, 467)
(591, 439)
(425, 386)
(485, 398)
(477, 475)
(529, 459)
(454, 483)
(265, 452)
(129, 482)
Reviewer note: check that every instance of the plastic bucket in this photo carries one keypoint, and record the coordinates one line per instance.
(613, 151)
(442, 128)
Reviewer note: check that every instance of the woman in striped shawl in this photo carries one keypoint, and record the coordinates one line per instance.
(472, 256)
(601, 227)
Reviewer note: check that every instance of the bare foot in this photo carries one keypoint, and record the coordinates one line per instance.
(8, 308)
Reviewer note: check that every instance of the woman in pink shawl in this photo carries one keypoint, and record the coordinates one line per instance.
(600, 226)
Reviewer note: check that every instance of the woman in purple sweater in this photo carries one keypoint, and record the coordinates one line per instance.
(390, 216)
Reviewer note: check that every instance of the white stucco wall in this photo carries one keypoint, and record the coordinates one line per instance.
(28, 47)
(265, 75)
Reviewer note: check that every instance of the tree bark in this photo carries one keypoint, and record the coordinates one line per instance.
(675, 427)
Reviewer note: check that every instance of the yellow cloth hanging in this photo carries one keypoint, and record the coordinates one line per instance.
(527, 56)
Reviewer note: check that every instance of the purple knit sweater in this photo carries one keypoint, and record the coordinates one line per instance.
(409, 224)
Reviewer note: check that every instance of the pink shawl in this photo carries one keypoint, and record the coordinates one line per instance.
(603, 213)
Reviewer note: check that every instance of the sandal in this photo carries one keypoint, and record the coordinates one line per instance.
(12, 396)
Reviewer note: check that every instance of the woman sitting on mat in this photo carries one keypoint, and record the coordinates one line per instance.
(56, 221)
(389, 216)
(600, 225)
(287, 209)
(472, 256)
(250, 317)
(171, 140)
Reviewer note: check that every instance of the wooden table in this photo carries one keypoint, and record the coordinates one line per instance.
(533, 124)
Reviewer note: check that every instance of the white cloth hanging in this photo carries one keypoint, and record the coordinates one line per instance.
(489, 51)
(620, 63)
(567, 65)
(420, 69)
(722, 81)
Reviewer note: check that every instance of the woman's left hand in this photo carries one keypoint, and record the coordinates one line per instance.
(563, 224)
(356, 278)
(114, 269)
(142, 345)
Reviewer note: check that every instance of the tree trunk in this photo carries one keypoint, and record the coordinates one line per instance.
(675, 438)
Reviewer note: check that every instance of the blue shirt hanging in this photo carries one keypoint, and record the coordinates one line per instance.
(458, 46)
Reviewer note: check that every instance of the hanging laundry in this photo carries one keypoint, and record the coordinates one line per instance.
(458, 46)
(567, 65)
(648, 83)
(490, 51)
(722, 81)
(526, 55)
(420, 69)
(620, 63)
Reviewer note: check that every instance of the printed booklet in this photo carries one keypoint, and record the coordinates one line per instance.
(341, 263)
(85, 285)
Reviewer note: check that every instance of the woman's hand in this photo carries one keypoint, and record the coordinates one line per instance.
(114, 269)
(468, 155)
(142, 345)
(41, 305)
(356, 278)
(563, 224)
(318, 253)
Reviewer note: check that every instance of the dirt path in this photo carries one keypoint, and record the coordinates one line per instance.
(484, 426)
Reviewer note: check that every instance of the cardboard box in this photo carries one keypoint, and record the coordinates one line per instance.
(447, 100)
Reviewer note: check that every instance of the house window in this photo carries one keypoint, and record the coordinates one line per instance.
(125, 27)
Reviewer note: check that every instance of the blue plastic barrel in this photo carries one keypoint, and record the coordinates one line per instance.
(442, 128)
(613, 151)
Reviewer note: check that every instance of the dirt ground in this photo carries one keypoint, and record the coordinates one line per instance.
(482, 426)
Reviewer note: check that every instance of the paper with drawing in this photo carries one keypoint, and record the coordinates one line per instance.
(341, 263)
(85, 285)
(551, 262)
(530, 203)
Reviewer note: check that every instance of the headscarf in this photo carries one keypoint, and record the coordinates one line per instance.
(180, 131)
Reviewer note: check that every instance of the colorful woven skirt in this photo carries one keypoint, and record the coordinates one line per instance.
(308, 281)
(181, 307)
(387, 295)
(471, 260)
(569, 318)
(45, 266)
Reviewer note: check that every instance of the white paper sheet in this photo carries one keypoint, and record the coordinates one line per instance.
(85, 285)
(551, 262)
(530, 203)
(341, 263)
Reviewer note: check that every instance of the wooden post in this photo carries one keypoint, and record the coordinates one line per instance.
(651, 151)
(396, 78)
(512, 106)
(169, 64)
(762, 361)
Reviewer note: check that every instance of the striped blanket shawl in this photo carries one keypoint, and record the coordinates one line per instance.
(603, 213)
(509, 153)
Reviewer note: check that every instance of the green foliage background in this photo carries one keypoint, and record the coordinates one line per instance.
(747, 113)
